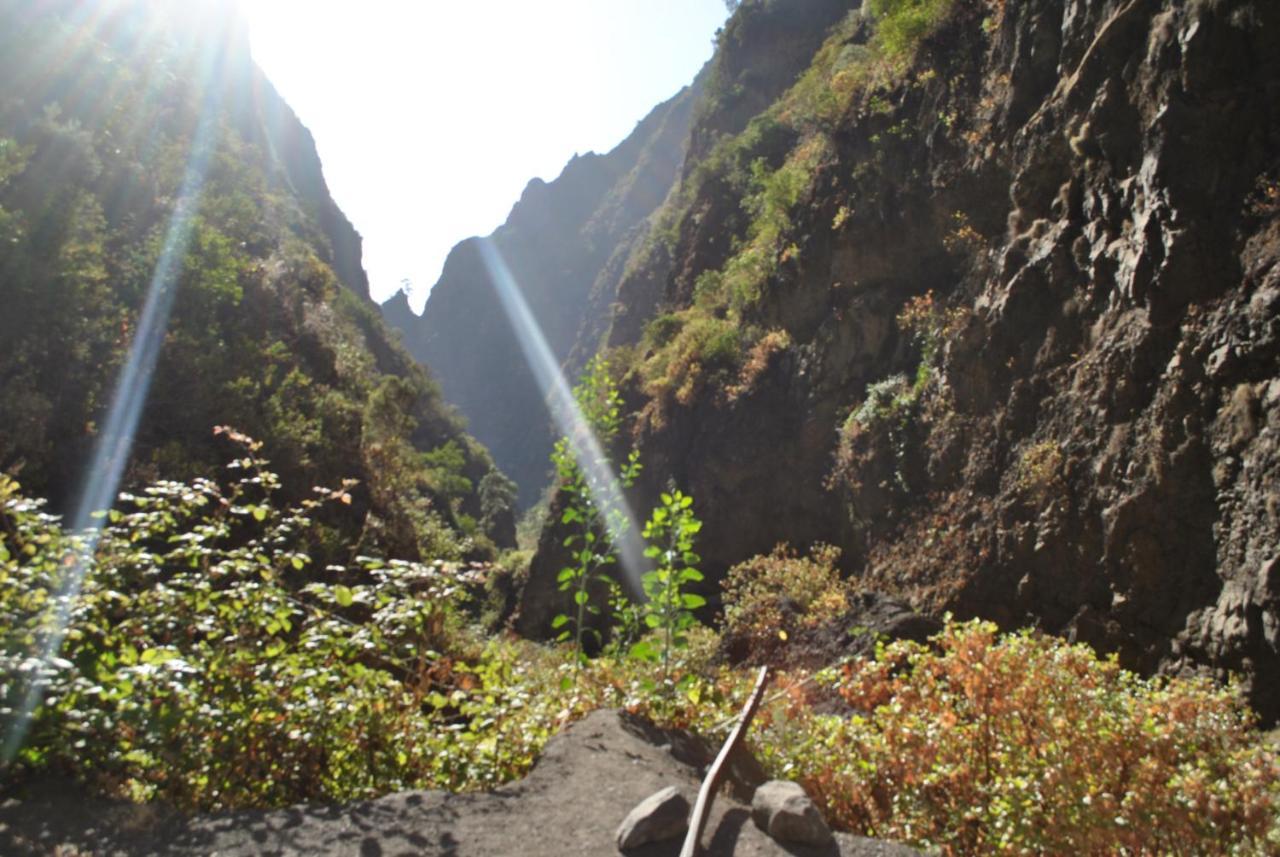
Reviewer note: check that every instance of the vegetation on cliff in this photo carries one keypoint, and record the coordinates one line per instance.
(128, 141)
(837, 332)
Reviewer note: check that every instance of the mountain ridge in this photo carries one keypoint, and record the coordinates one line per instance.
(558, 239)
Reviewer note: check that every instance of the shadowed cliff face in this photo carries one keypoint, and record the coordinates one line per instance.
(1089, 192)
(145, 161)
(563, 242)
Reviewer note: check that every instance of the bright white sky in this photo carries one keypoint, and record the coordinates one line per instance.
(431, 116)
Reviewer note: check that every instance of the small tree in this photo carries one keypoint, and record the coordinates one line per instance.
(670, 532)
(593, 503)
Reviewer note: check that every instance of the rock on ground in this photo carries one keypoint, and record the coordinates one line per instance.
(661, 816)
(587, 780)
(783, 810)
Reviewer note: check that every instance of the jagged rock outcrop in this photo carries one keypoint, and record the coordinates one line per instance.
(564, 241)
(1077, 205)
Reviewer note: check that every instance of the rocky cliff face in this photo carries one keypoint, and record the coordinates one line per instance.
(1012, 342)
(565, 242)
(146, 161)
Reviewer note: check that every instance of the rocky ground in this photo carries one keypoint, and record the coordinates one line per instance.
(586, 782)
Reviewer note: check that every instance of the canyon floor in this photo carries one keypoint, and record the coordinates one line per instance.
(585, 783)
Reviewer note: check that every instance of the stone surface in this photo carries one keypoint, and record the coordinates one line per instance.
(783, 810)
(1103, 219)
(568, 806)
(662, 815)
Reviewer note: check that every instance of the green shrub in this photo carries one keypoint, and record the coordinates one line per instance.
(888, 402)
(768, 599)
(706, 349)
(662, 329)
(594, 511)
(204, 662)
(671, 531)
(901, 25)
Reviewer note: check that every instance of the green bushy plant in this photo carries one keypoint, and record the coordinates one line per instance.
(671, 532)
(901, 25)
(204, 660)
(592, 504)
(770, 598)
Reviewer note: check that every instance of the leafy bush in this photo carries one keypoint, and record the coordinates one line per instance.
(929, 325)
(768, 599)
(758, 360)
(891, 403)
(593, 505)
(1022, 743)
(888, 402)
(205, 664)
(670, 531)
(901, 25)
(706, 350)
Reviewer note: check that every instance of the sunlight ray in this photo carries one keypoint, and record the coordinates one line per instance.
(111, 453)
(603, 482)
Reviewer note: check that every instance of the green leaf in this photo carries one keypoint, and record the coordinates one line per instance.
(298, 563)
(565, 575)
(580, 597)
(559, 622)
(259, 513)
(692, 602)
(343, 595)
(157, 656)
(643, 651)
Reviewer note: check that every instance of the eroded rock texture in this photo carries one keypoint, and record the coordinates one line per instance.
(1089, 190)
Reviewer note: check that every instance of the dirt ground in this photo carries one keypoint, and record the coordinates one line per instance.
(586, 782)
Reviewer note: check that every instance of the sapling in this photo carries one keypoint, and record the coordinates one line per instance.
(670, 531)
(593, 505)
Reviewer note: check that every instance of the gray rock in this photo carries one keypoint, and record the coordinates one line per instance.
(662, 815)
(782, 810)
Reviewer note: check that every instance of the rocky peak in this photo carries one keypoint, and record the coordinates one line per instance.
(565, 242)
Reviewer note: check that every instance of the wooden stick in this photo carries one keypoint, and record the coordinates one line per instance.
(701, 809)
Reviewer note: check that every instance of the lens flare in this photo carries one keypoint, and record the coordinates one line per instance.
(570, 422)
(111, 454)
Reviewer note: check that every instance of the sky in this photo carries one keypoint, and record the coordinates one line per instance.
(432, 116)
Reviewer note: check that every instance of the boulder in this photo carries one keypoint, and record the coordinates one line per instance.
(781, 809)
(662, 815)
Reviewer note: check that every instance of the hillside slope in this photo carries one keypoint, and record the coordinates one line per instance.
(145, 161)
(988, 299)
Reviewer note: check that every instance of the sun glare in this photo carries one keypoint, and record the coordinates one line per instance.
(101, 481)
